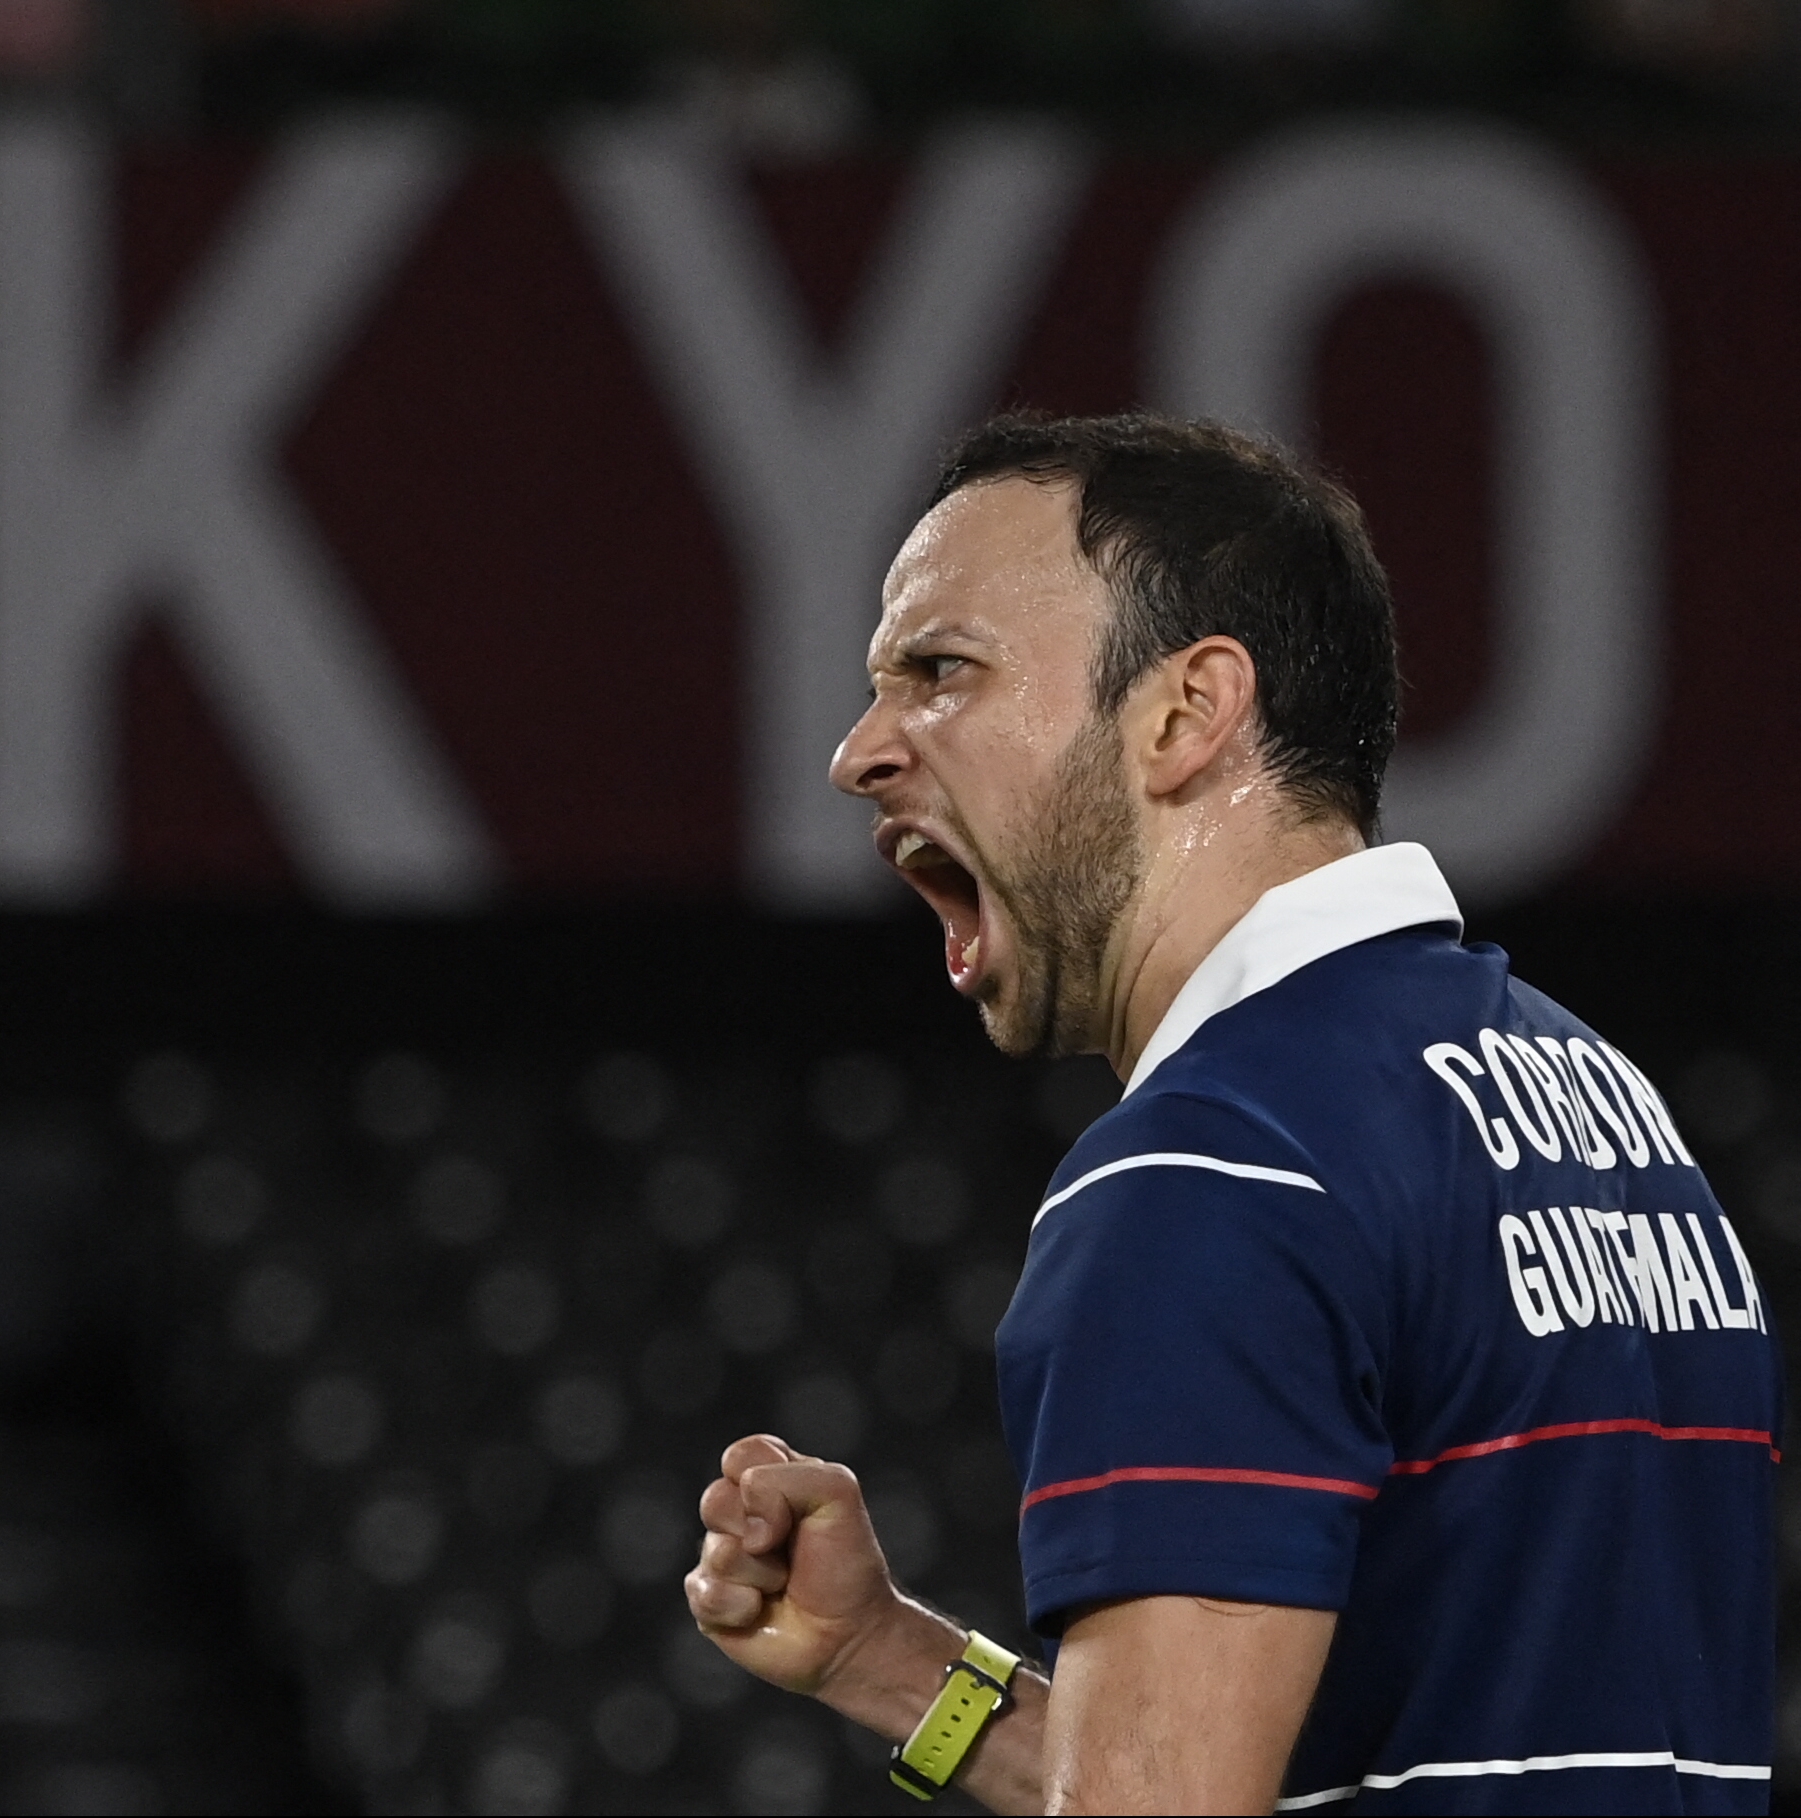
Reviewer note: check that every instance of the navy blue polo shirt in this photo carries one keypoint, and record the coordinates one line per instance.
(1390, 1288)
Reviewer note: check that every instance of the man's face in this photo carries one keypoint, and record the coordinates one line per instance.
(1001, 798)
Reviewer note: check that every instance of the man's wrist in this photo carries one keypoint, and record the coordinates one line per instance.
(886, 1681)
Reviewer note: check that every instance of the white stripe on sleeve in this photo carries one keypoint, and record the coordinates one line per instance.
(1530, 1764)
(1241, 1170)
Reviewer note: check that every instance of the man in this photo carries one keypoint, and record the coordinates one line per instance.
(1396, 1409)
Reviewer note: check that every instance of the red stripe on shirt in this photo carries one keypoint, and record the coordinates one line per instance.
(1582, 1429)
(1407, 1467)
(1281, 1480)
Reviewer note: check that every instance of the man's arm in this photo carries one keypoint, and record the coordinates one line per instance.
(1162, 1704)
(1180, 1704)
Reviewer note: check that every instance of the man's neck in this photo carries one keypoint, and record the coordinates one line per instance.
(1196, 890)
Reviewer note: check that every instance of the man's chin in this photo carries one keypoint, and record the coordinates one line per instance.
(1020, 1022)
(999, 1011)
(1000, 1028)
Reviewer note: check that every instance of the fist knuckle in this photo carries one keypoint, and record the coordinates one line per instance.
(752, 1450)
(734, 1607)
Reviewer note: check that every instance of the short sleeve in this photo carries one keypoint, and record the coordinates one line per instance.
(1191, 1369)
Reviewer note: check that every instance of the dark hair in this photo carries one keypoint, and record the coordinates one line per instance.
(1202, 531)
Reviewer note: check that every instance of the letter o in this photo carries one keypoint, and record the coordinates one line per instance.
(1510, 1073)
(1546, 758)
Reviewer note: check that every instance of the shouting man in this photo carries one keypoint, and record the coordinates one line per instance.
(1396, 1409)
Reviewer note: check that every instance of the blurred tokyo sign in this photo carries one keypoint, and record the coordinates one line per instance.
(410, 530)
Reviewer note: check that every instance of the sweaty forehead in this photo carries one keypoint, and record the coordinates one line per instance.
(998, 558)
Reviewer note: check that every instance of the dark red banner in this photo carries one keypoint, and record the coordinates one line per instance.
(407, 526)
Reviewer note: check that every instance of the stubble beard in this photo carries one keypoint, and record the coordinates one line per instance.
(1064, 883)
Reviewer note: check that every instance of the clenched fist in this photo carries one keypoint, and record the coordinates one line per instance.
(791, 1581)
(793, 1586)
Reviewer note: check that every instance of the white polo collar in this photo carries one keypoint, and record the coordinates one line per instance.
(1377, 891)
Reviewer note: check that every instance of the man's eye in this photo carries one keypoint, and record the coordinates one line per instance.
(941, 667)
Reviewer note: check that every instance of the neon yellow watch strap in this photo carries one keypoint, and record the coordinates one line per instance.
(975, 1689)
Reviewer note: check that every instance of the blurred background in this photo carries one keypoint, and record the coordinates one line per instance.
(458, 1065)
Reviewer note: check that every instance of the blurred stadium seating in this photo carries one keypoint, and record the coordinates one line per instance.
(443, 1341)
(461, 1341)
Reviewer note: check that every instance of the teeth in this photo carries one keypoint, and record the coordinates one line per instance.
(915, 852)
(972, 954)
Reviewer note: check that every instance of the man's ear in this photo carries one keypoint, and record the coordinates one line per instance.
(1198, 705)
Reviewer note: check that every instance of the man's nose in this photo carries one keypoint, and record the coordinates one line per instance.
(873, 754)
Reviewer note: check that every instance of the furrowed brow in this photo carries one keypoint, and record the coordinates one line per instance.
(926, 641)
(929, 639)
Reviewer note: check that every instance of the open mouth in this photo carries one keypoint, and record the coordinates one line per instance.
(955, 897)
